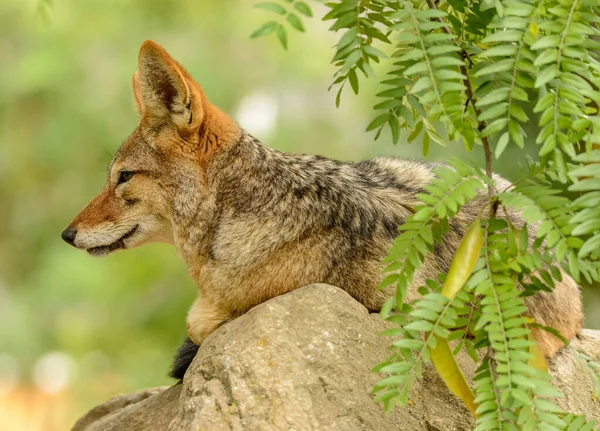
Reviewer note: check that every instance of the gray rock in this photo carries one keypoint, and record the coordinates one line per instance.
(148, 409)
(300, 362)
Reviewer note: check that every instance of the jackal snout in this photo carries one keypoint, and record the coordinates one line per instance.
(68, 235)
(104, 225)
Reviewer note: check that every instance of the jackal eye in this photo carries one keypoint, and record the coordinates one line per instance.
(125, 176)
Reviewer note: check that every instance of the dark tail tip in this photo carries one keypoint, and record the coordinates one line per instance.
(184, 357)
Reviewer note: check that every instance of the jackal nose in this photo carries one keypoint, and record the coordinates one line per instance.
(69, 236)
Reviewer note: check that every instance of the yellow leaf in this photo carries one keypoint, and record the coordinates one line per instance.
(451, 374)
(538, 359)
(460, 270)
(464, 260)
(533, 28)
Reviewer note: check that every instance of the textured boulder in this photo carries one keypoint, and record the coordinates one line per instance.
(301, 361)
(148, 409)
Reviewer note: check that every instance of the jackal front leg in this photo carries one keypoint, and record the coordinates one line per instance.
(203, 318)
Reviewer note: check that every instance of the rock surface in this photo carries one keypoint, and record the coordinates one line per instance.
(301, 361)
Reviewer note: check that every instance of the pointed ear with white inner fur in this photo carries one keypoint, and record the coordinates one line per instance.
(166, 93)
(137, 93)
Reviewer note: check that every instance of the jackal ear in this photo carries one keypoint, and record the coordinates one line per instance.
(137, 93)
(167, 92)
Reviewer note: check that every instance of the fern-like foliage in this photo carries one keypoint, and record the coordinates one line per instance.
(542, 204)
(567, 66)
(483, 69)
(427, 73)
(519, 389)
(288, 13)
(577, 423)
(434, 315)
(505, 74)
(452, 188)
(362, 23)
(586, 221)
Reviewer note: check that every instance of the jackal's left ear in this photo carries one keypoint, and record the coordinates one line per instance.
(165, 91)
(137, 93)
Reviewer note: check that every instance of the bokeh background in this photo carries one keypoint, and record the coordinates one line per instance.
(75, 330)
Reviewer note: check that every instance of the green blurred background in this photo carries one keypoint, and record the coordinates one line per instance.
(75, 330)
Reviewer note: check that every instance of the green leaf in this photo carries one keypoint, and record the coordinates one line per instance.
(347, 38)
(591, 245)
(501, 144)
(500, 51)
(419, 325)
(374, 52)
(303, 8)
(495, 96)
(408, 343)
(416, 68)
(395, 128)
(345, 21)
(516, 133)
(426, 144)
(442, 49)
(589, 184)
(375, 33)
(338, 96)
(590, 170)
(295, 22)
(353, 80)
(545, 42)
(546, 76)
(378, 121)
(388, 104)
(503, 36)
(282, 36)
(546, 56)
(494, 111)
(399, 367)
(500, 66)
(459, 5)
(428, 14)
(544, 103)
(264, 30)
(589, 226)
(415, 132)
(272, 7)
(423, 83)
(446, 61)
(413, 54)
(446, 74)
(350, 61)
(407, 37)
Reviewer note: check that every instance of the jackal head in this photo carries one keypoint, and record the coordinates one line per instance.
(158, 173)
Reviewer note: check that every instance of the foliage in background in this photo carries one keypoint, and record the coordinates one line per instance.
(65, 107)
(474, 67)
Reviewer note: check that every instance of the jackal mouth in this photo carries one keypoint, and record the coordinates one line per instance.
(103, 250)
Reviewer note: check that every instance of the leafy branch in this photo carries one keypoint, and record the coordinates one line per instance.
(283, 9)
(476, 67)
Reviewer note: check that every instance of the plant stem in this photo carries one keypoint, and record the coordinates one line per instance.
(481, 125)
